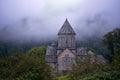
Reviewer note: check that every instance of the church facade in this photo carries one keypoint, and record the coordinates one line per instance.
(62, 56)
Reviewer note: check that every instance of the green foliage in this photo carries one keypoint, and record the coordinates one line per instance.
(85, 66)
(112, 41)
(62, 78)
(116, 63)
(103, 76)
(29, 66)
(37, 52)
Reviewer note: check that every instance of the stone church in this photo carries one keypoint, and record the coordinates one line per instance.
(62, 56)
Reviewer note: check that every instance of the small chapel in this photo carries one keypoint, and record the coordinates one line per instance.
(62, 56)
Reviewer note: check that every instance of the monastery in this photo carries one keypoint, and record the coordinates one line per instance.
(62, 56)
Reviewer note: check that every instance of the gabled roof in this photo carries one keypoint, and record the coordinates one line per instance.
(66, 51)
(66, 29)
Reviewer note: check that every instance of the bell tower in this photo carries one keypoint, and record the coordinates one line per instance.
(66, 36)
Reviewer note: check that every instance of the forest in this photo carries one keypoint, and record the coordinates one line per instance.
(27, 61)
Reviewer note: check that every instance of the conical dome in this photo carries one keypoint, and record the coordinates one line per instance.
(66, 29)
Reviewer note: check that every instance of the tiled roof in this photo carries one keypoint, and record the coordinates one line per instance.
(66, 29)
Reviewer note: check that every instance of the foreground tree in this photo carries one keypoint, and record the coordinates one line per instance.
(29, 66)
(112, 41)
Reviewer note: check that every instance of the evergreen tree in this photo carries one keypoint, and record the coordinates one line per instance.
(112, 41)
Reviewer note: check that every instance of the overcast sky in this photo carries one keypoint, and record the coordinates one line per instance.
(42, 19)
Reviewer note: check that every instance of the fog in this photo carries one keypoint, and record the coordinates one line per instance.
(39, 20)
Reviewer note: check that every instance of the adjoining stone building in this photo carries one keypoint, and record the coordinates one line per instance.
(62, 56)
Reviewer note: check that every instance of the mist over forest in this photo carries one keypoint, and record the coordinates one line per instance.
(35, 21)
(25, 24)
